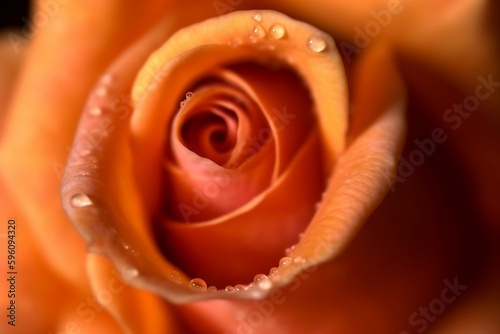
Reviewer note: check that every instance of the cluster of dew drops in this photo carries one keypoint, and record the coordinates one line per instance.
(82, 200)
(261, 281)
(278, 31)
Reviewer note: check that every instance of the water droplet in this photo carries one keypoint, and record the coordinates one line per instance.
(285, 261)
(273, 271)
(95, 111)
(240, 287)
(262, 281)
(299, 260)
(229, 289)
(212, 288)
(175, 277)
(189, 95)
(84, 173)
(290, 249)
(259, 31)
(182, 104)
(80, 200)
(130, 272)
(277, 31)
(316, 44)
(101, 91)
(197, 284)
(301, 235)
(126, 246)
(93, 167)
(257, 16)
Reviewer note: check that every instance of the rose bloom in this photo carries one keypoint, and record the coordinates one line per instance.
(238, 166)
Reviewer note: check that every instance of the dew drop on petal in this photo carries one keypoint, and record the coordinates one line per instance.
(299, 260)
(189, 95)
(262, 281)
(259, 31)
(130, 272)
(285, 261)
(80, 200)
(290, 249)
(316, 44)
(240, 287)
(95, 111)
(197, 284)
(175, 277)
(229, 288)
(257, 16)
(212, 288)
(277, 31)
(273, 271)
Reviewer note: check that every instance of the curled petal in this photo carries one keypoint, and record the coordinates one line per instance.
(365, 171)
(100, 198)
(235, 247)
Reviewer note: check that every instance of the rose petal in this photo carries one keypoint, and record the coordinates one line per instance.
(77, 43)
(122, 301)
(233, 248)
(365, 171)
(32, 296)
(430, 54)
(110, 217)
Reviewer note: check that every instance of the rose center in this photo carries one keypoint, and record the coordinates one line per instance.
(211, 134)
(233, 136)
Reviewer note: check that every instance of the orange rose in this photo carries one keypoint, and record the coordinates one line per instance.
(204, 145)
